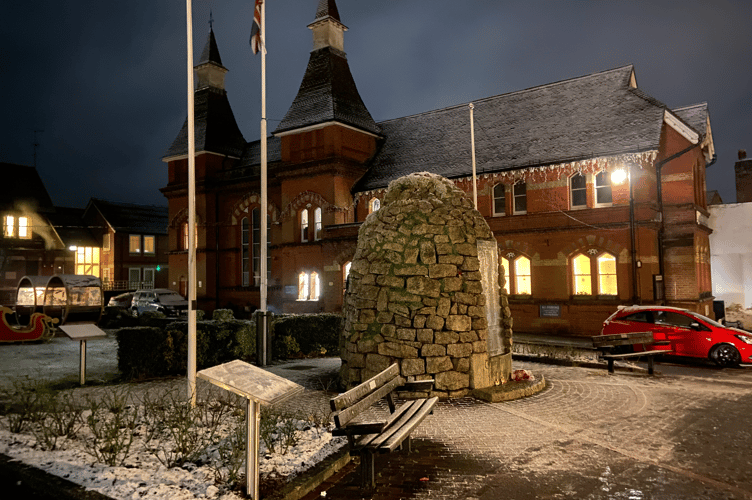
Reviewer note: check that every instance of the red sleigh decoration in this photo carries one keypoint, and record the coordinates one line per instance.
(40, 327)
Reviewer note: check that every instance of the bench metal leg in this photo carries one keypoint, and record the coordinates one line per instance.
(650, 364)
(367, 470)
(610, 365)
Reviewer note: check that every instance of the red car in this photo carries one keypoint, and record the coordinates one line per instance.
(684, 332)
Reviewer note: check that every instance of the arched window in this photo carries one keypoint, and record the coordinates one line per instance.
(519, 189)
(578, 191)
(498, 199)
(317, 224)
(184, 236)
(304, 225)
(518, 274)
(374, 205)
(251, 249)
(309, 287)
(603, 188)
(595, 271)
(345, 275)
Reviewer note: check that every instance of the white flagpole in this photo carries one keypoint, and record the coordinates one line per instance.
(264, 201)
(472, 141)
(191, 216)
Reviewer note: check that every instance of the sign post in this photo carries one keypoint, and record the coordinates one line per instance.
(258, 387)
(82, 332)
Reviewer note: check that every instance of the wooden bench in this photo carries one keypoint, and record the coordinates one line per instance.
(383, 436)
(607, 344)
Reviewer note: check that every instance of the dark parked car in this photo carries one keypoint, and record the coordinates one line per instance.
(684, 332)
(166, 301)
(123, 300)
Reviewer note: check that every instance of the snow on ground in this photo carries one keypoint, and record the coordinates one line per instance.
(735, 312)
(143, 477)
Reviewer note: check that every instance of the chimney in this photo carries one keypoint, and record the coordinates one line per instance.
(743, 169)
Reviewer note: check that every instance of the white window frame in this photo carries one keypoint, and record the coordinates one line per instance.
(304, 225)
(515, 196)
(131, 239)
(153, 240)
(572, 206)
(153, 272)
(374, 205)
(598, 188)
(317, 224)
(131, 281)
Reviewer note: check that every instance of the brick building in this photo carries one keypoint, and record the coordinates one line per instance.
(575, 240)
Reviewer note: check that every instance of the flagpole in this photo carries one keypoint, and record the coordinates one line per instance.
(264, 201)
(191, 369)
(472, 152)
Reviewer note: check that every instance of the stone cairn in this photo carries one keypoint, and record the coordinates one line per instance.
(415, 295)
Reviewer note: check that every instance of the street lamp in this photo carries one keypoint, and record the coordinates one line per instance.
(618, 177)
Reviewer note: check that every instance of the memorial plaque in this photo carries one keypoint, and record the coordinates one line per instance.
(251, 382)
(83, 331)
(550, 311)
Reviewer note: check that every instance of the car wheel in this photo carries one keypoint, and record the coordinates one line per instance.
(134, 312)
(725, 355)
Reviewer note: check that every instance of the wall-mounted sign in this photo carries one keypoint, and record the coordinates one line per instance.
(550, 311)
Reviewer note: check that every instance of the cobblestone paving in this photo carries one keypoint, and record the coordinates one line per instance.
(588, 435)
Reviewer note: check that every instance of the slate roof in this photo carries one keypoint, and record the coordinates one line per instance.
(328, 93)
(594, 115)
(69, 225)
(695, 116)
(327, 8)
(20, 185)
(211, 51)
(132, 218)
(252, 154)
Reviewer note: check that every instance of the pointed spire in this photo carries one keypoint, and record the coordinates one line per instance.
(327, 8)
(211, 52)
(209, 69)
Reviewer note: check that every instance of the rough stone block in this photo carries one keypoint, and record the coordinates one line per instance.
(470, 336)
(444, 307)
(461, 365)
(388, 330)
(390, 281)
(445, 337)
(451, 259)
(453, 284)
(442, 271)
(411, 255)
(411, 367)
(471, 264)
(465, 298)
(419, 321)
(444, 248)
(458, 323)
(452, 381)
(411, 270)
(425, 336)
(397, 350)
(433, 350)
(403, 321)
(435, 323)
(377, 363)
(421, 285)
(367, 316)
(430, 302)
(438, 364)
(474, 287)
(466, 249)
(427, 253)
(480, 323)
(476, 312)
(384, 317)
(399, 309)
(406, 334)
(459, 350)
(380, 267)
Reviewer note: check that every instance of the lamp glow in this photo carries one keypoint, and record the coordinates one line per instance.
(619, 176)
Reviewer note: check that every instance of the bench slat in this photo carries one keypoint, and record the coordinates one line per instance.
(637, 354)
(353, 395)
(366, 439)
(394, 424)
(406, 428)
(345, 415)
(623, 339)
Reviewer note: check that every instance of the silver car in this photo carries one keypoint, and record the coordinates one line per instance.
(166, 301)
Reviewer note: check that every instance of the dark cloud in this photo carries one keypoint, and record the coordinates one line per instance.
(106, 81)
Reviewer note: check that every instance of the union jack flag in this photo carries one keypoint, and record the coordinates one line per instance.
(256, 27)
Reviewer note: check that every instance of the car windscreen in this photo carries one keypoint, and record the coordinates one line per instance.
(171, 298)
(707, 320)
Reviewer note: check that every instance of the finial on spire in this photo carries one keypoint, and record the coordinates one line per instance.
(211, 20)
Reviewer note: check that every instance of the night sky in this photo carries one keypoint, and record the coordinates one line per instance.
(105, 82)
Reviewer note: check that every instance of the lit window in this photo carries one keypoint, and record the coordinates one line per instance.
(304, 225)
(149, 245)
(345, 275)
(498, 199)
(10, 226)
(309, 287)
(522, 281)
(607, 274)
(603, 188)
(87, 261)
(317, 224)
(594, 272)
(578, 189)
(517, 276)
(184, 236)
(374, 205)
(582, 281)
(135, 244)
(24, 230)
(520, 197)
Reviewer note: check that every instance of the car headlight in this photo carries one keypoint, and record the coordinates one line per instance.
(747, 339)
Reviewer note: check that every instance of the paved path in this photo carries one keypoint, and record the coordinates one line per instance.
(589, 435)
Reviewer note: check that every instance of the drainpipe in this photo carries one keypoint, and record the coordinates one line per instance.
(658, 170)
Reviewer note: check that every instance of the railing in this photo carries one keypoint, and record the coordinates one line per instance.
(126, 285)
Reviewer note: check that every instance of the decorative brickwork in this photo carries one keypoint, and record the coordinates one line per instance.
(416, 292)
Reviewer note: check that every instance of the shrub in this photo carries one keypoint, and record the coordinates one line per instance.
(314, 333)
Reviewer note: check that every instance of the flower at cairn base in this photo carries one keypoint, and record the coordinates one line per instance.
(520, 375)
